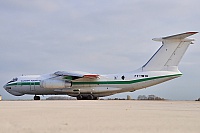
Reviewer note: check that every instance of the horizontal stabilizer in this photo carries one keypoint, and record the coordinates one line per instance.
(177, 36)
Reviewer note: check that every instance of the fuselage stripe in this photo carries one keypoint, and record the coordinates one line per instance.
(125, 82)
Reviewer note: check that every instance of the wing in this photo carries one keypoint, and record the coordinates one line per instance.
(76, 75)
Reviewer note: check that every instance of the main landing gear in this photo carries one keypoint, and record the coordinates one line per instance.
(36, 97)
(87, 97)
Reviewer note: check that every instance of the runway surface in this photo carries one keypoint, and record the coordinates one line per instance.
(101, 116)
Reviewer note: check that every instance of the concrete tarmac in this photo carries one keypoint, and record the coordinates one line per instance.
(100, 116)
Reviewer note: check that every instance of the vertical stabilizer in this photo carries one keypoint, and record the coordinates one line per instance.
(170, 53)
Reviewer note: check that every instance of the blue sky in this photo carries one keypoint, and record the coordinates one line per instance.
(97, 36)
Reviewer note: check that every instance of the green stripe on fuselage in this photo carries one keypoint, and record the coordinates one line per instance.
(125, 82)
(23, 83)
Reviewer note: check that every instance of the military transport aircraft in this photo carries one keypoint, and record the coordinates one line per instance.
(161, 67)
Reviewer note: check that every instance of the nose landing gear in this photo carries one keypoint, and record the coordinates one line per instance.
(36, 97)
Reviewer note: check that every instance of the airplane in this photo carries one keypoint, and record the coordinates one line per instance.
(161, 67)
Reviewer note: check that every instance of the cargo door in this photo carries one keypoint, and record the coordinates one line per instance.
(32, 86)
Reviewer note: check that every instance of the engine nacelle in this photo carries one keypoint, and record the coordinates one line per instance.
(55, 84)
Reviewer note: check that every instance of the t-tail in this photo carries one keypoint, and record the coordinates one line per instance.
(170, 53)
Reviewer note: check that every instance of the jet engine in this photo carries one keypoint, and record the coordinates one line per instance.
(55, 84)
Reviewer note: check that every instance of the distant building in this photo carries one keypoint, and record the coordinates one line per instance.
(158, 98)
(128, 97)
(142, 97)
(151, 97)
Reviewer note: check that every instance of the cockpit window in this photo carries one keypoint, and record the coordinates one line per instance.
(13, 80)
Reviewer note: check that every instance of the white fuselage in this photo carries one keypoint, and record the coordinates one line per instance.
(105, 85)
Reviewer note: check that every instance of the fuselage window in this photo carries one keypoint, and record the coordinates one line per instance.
(123, 77)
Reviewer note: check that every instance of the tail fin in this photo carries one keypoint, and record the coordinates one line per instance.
(170, 53)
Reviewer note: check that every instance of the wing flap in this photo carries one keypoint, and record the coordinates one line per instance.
(91, 76)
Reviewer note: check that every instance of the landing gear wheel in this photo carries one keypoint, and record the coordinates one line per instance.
(36, 97)
(90, 97)
(96, 98)
(79, 97)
